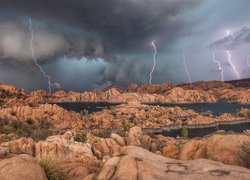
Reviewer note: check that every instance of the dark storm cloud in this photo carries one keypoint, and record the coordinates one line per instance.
(233, 41)
(90, 28)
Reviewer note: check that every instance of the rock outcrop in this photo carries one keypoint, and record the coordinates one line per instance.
(21, 168)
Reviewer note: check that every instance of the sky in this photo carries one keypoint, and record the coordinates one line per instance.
(82, 45)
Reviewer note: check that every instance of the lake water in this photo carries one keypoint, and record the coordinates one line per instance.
(90, 107)
(215, 108)
(201, 132)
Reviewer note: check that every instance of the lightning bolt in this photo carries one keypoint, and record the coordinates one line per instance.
(35, 60)
(219, 65)
(154, 62)
(248, 60)
(229, 58)
(184, 63)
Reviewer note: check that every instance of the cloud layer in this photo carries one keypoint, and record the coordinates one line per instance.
(237, 39)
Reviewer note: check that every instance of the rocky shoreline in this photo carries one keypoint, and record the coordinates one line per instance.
(124, 141)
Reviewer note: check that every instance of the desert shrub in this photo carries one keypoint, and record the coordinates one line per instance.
(52, 170)
(8, 129)
(13, 113)
(29, 121)
(14, 127)
(126, 127)
(81, 137)
(245, 154)
(184, 131)
(44, 123)
(84, 113)
(132, 117)
(40, 134)
(248, 113)
(110, 108)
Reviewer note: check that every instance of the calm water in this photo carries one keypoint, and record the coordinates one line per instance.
(201, 132)
(91, 107)
(215, 108)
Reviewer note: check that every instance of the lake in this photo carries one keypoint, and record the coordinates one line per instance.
(215, 108)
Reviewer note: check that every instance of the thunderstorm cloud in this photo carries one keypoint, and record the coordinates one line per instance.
(88, 44)
(238, 38)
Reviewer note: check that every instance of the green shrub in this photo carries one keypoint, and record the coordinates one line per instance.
(40, 134)
(52, 170)
(81, 137)
(13, 127)
(126, 127)
(44, 124)
(8, 129)
(245, 154)
(184, 131)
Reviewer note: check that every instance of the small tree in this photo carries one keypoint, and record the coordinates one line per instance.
(184, 131)
(126, 127)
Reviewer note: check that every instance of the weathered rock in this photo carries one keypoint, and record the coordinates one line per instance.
(194, 149)
(171, 151)
(120, 140)
(126, 169)
(134, 136)
(58, 147)
(77, 170)
(109, 169)
(19, 146)
(104, 147)
(226, 148)
(153, 166)
(21, 168)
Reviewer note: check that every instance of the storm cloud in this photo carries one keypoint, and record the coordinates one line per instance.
(88, 44)
(87, 28)
(238, 38)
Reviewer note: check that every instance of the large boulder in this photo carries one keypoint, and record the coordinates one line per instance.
(226, 148)
(135, 136)
(194, 149)
(19, 146)
(171, 151)
(104, 147)
(21, 168)
(153, 166)
(59, 147)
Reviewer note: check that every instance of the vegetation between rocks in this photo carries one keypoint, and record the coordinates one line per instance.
(52, 170)
(37, 132)
(245, 148)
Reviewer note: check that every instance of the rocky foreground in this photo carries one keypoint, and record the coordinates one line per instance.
(135, 156)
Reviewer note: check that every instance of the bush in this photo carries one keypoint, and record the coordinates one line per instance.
(126, 127)
(81, 137)
(245, 155)
(29, 121)
(184, 131)
(40, 134)
(44, 124)
(8, 129)
(52, 170)
(13, 127)
(13, 113)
